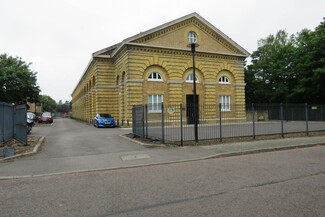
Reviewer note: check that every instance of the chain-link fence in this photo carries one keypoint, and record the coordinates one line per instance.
(175, 123)
(13, 123)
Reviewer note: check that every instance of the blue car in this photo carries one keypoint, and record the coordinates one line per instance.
(104, 120)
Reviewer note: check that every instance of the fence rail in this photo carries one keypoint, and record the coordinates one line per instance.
(12, 123)
(175, 124)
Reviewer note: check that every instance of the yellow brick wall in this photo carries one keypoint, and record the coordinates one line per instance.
(177, 36)
(115, 84)
(120, 87)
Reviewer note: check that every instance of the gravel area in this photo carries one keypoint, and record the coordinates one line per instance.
(19, 147)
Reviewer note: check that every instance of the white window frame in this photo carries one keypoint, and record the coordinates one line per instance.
(224, 80)
(189, 79)
(155, 76)
(192, 37)
(225, 103)
(154, 103)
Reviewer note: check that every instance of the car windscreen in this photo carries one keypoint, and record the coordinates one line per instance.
(105, 115)
(46, 114)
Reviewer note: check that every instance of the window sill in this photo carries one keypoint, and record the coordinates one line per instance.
(155, 80)
(154, 112)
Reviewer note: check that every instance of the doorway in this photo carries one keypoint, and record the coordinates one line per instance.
(190, 109)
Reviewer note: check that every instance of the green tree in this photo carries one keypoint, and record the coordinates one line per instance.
(288, 69)
(269, 78)
(70, 106)
(49, 104)
(17, 80)
(63, 108)
(310, 65)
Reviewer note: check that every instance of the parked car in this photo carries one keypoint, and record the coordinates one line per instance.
(46, 117)
(104, 120)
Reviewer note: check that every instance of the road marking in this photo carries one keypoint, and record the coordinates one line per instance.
(135, 157)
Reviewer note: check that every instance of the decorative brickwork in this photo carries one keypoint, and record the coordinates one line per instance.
(117, 77)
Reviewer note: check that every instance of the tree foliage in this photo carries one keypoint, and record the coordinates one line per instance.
(288, 68)
(49, 104)
(17, 81)
(310, 63)
(63, 108)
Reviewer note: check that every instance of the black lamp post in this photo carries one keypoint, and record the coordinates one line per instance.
(192, 38)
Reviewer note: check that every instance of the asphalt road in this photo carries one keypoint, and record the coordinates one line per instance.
(67, 138)
(285, 183)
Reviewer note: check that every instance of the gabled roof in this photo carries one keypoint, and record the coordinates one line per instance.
(112, 50)
(109, 52)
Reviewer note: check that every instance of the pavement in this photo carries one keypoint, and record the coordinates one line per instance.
(25, 167)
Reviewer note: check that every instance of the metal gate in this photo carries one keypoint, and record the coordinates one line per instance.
(138, 120)
(20, 124)
(6, 122)
(13, 123)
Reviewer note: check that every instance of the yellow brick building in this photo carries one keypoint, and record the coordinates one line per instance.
(156, 66)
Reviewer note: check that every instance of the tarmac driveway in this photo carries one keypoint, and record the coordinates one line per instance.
(68, 137)
(73, 146)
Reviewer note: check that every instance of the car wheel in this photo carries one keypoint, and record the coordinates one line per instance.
(97, 124)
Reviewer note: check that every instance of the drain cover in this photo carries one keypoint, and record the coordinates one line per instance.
(135, 157)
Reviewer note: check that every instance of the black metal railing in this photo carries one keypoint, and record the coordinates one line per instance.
(174, 123)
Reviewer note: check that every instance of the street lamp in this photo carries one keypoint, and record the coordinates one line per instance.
(192, 38)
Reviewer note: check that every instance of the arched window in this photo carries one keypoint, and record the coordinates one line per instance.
(192, 37)
(190, 79)
(224, 80)
(155, 76)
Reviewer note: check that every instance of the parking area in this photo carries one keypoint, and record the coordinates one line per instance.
(68, 137)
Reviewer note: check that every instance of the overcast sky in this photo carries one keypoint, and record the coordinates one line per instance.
(59, 36)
